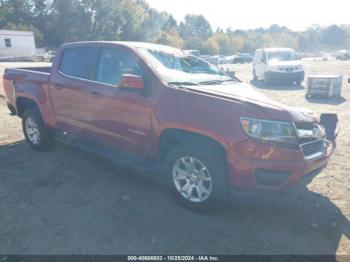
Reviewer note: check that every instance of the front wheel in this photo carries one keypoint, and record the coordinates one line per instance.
(197, 176)
(254, 76)
(37, 135)
(267, 79)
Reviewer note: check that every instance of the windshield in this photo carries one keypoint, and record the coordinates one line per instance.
(182, 68)
(282, 55)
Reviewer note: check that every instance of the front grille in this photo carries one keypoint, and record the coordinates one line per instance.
(312, 148)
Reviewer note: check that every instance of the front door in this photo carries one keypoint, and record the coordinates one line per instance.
(119, 118)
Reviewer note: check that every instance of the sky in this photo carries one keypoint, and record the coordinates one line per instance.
(249, 14)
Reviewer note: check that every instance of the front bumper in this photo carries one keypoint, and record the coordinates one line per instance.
(286, 76)
(258, 167)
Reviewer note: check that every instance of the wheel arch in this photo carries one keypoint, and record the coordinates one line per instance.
(24, 103)
(171, 137)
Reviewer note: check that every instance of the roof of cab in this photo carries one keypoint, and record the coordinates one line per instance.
(152, 46)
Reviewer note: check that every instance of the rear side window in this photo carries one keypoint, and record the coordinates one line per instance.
(75, 61)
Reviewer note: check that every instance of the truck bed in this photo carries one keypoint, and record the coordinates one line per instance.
(36, 74)
(43, 69)
(25, 77)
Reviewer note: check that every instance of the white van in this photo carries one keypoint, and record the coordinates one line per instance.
(277, 64)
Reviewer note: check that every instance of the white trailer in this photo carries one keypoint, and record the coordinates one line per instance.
(16, 44)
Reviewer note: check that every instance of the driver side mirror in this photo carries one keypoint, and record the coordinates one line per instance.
(131, 82)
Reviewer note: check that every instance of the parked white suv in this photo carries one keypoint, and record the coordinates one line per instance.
(277, 64)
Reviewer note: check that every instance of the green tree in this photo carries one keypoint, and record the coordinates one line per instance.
(195, 26)
(211, 47)
(171, 38)
(334, 36)
(58, 21)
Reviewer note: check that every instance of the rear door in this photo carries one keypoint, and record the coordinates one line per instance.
(119, 118)
(68, 89)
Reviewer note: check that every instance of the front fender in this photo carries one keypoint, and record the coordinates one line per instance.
(191, 129)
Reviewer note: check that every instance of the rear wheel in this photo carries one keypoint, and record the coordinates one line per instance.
(196, 176)
(38, 136)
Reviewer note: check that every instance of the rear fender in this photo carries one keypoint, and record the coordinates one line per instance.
(31, 91)
(38, 94)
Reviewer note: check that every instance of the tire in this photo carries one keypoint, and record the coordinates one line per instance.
(37, 135)
(267, 80)
(255, 78)
(209, 187)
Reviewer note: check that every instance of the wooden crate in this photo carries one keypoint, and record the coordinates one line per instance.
(324, 86)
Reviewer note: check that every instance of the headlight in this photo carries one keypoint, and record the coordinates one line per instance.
(270, 131)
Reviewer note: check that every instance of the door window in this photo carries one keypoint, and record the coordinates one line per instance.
(75, 61)
(113, 64)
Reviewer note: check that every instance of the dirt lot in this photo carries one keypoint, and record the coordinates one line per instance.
(71, 202)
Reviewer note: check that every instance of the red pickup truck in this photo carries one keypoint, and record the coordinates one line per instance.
(153, 106)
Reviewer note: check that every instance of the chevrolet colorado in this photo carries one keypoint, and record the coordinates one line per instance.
(154, 106)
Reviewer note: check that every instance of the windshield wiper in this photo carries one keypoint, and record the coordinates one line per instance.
(182, 84)
(212, 82)
(217, 81)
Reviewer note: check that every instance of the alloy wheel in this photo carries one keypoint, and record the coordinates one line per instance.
(192, 179)
(32, 130)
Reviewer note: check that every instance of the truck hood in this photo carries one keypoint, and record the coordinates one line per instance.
(245, 93)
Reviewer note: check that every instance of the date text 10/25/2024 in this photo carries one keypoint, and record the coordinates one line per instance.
(173, 258)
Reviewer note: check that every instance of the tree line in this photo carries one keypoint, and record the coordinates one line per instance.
(59, 21)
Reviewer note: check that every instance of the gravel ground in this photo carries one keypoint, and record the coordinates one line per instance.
(66, 201)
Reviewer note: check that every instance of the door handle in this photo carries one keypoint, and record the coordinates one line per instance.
(96, 94)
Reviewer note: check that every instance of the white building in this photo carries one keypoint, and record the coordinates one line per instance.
(16, 44)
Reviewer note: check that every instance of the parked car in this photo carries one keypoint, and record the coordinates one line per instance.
(154, 107)
(229, 59)
(196, 53)
(277, 64)
(49, 56)
(325, 57)
(205, 58)
(242, 58)
(216, 59)
(343, 55)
